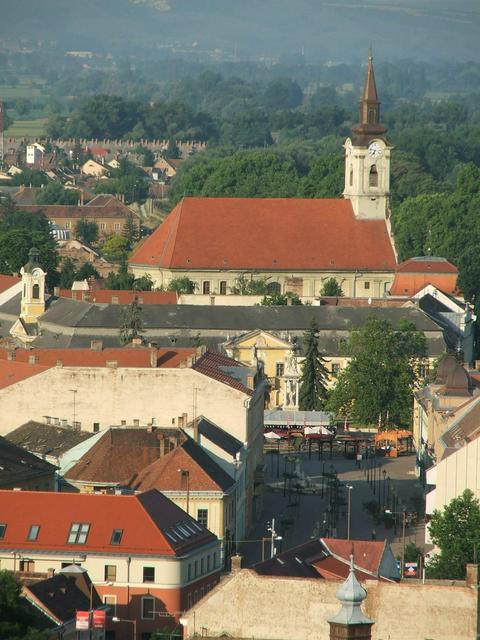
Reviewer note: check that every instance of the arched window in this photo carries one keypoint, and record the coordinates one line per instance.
(351, 177)
(273, 288)
(373, 176)
(36, 292)
(371, 116)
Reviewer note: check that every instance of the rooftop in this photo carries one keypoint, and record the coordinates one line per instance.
(18, 464)
(149, 523)
(303, 234)
(46, 439)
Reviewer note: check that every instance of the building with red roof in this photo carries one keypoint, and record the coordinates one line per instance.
(414, 274)
(297, 244)
(147, 558)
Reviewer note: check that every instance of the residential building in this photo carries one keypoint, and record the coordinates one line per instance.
(20, 469)
(192, 478)
(274, 607)
(148, 560)
(94, 169)
(215, 241)
(34, 153)
(414, 274)
(105, 210)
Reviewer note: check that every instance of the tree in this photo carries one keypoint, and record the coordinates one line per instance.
(283, 93)
(181, 285)
(331, 288)
(132, 324)
(17, 620)
(86, 271)
(250, 286)
(131, 231)
(456, 532)
(148, 159)
(19, 232)
(115, 248)
(378, 382)
(55, 193)
(67, 274)
(313, 381)
(172, 151)
(86, 231)
(281, 299)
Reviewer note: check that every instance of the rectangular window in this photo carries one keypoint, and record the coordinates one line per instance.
(149, 574)
(67, 225)
(110, 573)
(202, 517)
(366, 285)
(223, 287)
(335, 369)
(214, 559)
(78, 533)
(96, 427)
(189, 601)
(202, 566)
(196, 568)
(33, 533)
(208, 562)
(103, 226)
(116, 226)
(279, 369)
(206, 287)
(148, 608)
(116, 536)
(27, 566)
(189, 571)
(111, 601)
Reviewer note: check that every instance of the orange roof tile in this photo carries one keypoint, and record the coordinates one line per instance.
(116, 296)
(13, 372)
(6, 282)
(146, 520)
(368, 554)
(269, 234)
(123, 356)
(426, 264)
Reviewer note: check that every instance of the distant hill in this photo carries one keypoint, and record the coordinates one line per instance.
(337, 30)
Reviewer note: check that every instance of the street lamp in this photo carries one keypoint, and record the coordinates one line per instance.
(349, 512)
(384, 501)
(185, 473)
(273, 537)
(134, 622)
(403, 513)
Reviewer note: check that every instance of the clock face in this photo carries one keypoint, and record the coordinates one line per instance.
(35, 273)
(375, 150)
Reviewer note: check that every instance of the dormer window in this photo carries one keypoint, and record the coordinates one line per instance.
(3, 528)
(33, 533)
(78, 533)
(116, 536)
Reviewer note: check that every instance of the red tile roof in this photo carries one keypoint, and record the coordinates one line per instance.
(426, 264)
(147, 521)
(13, 372)
(114, 210)
(6, 282)
(123, 356)
(224, 369)
(204, 474)
(413, 275)
(269, 234)
(367, 553)
(120, 453)
(106, 296)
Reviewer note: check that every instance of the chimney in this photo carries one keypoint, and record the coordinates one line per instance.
(136, 342)
(11, 355)
(50, 572)
(59, 363)
(96, 345)
(236, 563)
(153, 358)
(161, 443)
(32, 359)
(195, 430)
(472, 575)
(112, 364)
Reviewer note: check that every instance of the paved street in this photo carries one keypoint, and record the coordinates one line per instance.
(299, 517)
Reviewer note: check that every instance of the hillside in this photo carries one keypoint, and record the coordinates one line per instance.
(338, 30)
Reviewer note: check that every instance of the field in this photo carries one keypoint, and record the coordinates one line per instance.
(27, 128)
(11, 91)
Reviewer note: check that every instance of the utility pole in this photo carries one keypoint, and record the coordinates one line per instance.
(349, 510)
(273, 538)
(74, 391)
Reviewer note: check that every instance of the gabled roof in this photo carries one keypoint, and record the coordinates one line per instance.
(204, 474)
(62, 595)
(46, 439)
(303, 234)
(328, 559)
(13, 372)
(226, 370)
(119, 454)
(150, 523)
(426, 264)
(218, 436)
(413, 275)
(7, 282)
(18, 464)
(111, 210)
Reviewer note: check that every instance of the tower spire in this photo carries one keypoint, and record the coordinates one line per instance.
(369, 120)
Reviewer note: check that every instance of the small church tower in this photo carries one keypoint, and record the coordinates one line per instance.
(33, 293)
(367, 157)
(350, 623)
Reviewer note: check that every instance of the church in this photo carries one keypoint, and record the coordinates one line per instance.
(297, 244)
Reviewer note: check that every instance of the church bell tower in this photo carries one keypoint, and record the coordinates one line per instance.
(33, 293)
(367, 157)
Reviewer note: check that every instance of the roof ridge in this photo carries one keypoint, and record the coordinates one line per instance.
(172, 231)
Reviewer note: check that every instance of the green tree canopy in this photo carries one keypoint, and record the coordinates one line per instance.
(331, 287)
(132, 324)
(182, 284)
(456, 531)
(115, 248)
(378, 382)
(17, 620)
(248, 285)
(86, 231)
(313, 381)
(55, 193)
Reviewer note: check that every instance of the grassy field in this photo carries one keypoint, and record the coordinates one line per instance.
(10, 91)
(31, 128)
